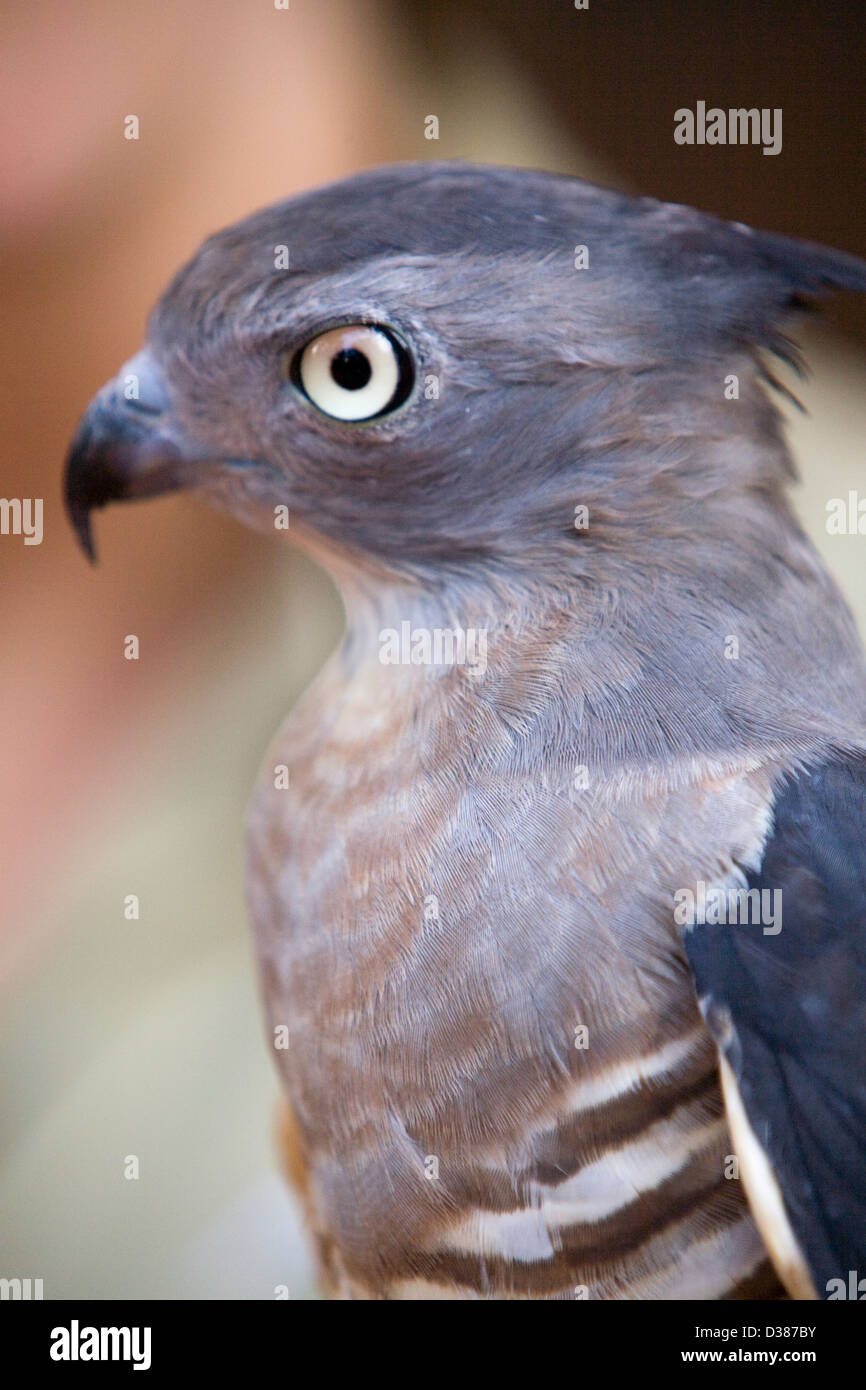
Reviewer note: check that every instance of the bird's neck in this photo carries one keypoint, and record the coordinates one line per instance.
(656, 640)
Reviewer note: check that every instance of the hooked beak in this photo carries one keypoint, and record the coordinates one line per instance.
(127, 445)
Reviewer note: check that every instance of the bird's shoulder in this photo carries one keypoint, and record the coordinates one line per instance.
(785, 997)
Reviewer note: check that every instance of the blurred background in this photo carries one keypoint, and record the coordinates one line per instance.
(143, 1037)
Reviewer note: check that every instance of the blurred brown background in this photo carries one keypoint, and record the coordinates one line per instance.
(143, 1037)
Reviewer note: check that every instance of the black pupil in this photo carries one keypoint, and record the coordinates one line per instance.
(351, 369)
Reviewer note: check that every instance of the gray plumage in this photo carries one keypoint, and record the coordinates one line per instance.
(467, 867)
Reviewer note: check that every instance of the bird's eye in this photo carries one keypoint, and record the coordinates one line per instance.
(354, 373)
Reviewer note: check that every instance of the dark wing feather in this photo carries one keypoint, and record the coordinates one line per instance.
(789, 1011)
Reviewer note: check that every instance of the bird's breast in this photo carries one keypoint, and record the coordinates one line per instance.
(491, 1047)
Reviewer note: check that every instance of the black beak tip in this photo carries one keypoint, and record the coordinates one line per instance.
(122, 450)
(84, 487)
(101, 467)
(81, 525)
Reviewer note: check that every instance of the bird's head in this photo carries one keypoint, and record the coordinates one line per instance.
(435, 364)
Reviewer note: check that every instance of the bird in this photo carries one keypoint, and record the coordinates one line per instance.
(557, 872)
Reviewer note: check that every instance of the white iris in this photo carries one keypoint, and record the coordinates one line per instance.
(350, 373)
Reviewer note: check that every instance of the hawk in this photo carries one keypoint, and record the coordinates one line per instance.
(561, 903)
